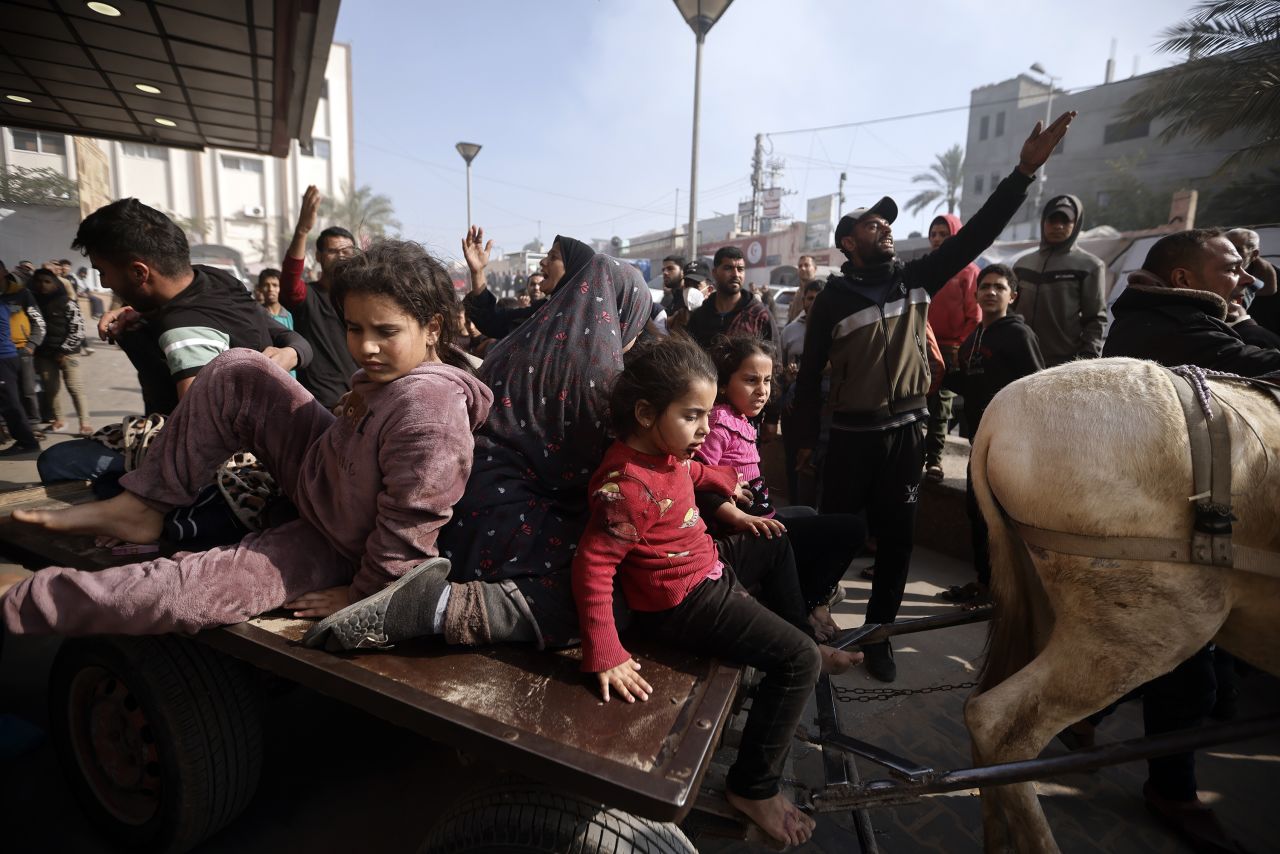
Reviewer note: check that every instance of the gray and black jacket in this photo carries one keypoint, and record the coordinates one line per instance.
(869, 322)
(1062, 294)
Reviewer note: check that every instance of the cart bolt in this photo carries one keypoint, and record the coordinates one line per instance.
(511, 735)
(702, 723)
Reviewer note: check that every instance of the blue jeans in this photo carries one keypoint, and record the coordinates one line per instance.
(83, 459)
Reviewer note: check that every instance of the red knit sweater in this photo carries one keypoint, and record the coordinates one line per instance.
(645, 526)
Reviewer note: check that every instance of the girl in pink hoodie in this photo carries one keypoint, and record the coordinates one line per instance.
(373, 485)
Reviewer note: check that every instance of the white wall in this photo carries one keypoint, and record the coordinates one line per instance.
(199, 185)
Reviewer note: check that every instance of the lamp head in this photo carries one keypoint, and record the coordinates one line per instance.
(468, 150)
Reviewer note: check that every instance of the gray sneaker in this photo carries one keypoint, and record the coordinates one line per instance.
(364, 624)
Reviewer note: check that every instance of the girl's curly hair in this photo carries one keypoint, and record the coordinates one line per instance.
(407, 273)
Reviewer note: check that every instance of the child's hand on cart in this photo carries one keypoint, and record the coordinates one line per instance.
(626, 682)
(321, 603)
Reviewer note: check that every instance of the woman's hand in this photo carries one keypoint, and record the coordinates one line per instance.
(624, 679)
(476, 253)
(321, 603)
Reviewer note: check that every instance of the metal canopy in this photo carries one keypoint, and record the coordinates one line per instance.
(240, 74)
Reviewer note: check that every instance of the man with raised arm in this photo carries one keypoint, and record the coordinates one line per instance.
(328, 376)
(869, 323)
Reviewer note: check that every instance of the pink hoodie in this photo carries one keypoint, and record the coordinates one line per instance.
(410, 444)
(954, 311)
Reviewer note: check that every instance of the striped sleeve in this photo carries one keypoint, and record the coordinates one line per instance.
(187, 349)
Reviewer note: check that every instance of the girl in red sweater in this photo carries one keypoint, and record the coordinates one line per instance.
(646, 528)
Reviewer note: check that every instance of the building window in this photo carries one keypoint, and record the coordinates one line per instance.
(984, 128)
(318, 148)
(995, 181)
(241, 164)
(978, 185)
(1000, 123)
(43, 142)
(148, 152)
(324, 88)
(1120, 131)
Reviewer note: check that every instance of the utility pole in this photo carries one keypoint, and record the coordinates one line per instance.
(840, 197)
(675, 219)
(757, 182)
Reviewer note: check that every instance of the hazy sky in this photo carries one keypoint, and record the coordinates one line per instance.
(584, 107)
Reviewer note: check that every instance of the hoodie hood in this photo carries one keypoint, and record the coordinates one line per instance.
(1075, 204)
(951, 220)
(476, 394)
(1146, 290)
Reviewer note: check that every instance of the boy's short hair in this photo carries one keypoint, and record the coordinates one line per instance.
(1002, 270)
(814, 286)
(269, 273)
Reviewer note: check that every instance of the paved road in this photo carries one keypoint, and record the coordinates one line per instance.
(336, 779)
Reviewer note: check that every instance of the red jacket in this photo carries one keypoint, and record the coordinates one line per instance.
(954, 311)
(644, 526)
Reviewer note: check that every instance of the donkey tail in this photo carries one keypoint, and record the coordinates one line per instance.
(1012, 637)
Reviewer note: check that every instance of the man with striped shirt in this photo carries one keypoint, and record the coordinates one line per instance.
(176, 319)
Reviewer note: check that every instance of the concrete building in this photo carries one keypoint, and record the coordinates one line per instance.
(1002, 114)
(246, 201)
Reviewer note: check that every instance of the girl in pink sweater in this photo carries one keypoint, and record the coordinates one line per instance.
(372, 485)
(645, 527)
(823, 544)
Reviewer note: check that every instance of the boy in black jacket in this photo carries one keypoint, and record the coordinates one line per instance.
(1001, 350)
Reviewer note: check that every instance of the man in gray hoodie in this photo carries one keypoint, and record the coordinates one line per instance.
(1063, 292)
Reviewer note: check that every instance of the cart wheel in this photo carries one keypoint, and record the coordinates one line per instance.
(160, 737)
(532, 818)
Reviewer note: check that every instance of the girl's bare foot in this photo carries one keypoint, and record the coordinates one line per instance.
(124, 517)
(824, 627)
(837, 661)
(776, 816)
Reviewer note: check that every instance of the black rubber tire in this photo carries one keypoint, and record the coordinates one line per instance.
(190, 715)
(532, 818)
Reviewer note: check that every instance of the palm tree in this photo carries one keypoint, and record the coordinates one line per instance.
(364, 213)
(945, 175)
(1228, 84)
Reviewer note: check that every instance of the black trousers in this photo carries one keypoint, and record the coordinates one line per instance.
(979, 538)
(1180, 699)
(15, 418)
(766, 568)
(719, 618)
(824, 545)
(879, 472)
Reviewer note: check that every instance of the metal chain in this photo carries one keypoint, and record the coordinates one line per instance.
(873, 695)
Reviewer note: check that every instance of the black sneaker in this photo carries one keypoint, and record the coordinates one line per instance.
(878, 659)
(16, 450)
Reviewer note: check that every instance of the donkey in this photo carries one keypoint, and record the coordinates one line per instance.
(1100, 449)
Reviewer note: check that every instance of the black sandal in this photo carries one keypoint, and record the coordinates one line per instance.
(958, 593)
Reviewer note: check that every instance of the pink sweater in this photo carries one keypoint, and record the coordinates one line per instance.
(381, 481)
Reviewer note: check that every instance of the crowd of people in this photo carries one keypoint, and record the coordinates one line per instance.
(48, 312)
(580, 464)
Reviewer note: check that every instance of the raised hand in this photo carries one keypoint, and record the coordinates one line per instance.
(1042, 141)
(310, 212)
(475, 250)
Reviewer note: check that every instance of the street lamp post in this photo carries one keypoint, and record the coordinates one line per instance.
(468, 150)
(701, 16)
(1048, 116)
